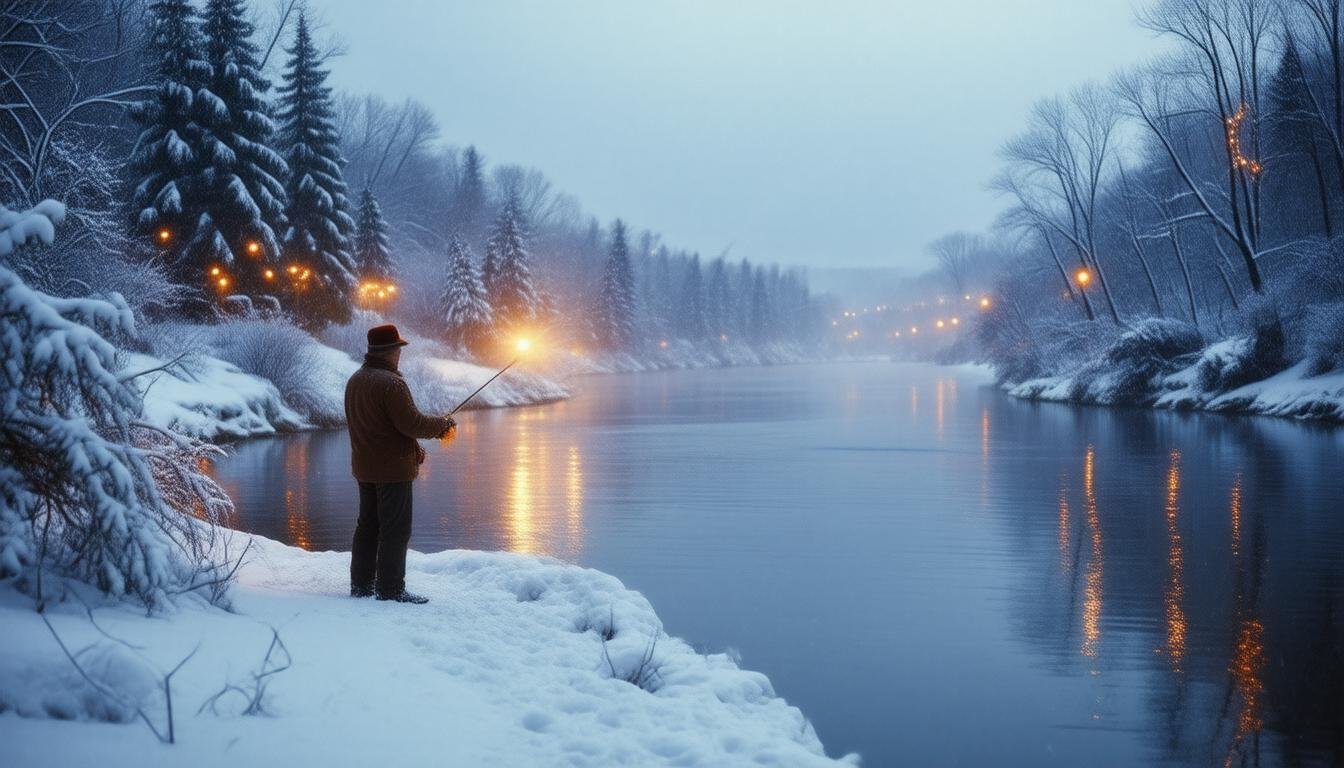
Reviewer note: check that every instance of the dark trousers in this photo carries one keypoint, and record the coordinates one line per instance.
(378, 556)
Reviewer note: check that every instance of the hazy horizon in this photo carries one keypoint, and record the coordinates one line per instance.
(784, 131)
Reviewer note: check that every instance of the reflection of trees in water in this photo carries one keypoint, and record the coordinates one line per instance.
(1220, 540)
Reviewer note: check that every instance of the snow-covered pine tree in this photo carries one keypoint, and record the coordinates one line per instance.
(468, 201)
(318, 237)
(691, 312)
(758, 323)
(507, 276)
(465, 310)
(373, 256)
(86, 490)
(241, 178)
(616, 305)
(164, 200)
(718, 305)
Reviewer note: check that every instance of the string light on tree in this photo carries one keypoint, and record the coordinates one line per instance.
(1083, 277)
(984, 302)
(253, 248)
(1239, 158)
(165, 235)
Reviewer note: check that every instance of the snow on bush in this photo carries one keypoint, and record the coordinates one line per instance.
(310, 376)
(1324, 337)
(1257, 354)
(87, 490)
(1133, 367)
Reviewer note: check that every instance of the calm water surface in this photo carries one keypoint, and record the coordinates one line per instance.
(936, 574)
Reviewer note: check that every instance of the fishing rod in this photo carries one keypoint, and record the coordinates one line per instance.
(522, 346)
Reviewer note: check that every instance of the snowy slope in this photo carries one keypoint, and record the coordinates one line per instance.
(211, 400)
(505, 667)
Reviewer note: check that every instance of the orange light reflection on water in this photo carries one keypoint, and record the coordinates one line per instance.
(1092, 592)
(1175, 592)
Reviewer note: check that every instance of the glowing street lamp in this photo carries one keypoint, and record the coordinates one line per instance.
(521, 346)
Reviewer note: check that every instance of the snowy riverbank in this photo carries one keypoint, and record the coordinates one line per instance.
(295, 382)
(1166, 365)
(506, 666)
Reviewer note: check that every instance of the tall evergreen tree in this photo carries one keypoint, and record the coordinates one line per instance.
(468, 201)
(616, 305)
(691, 312)
(1294, 131)
(465, 310)
(171, 142)
(241, 176)
(718, 305)
(758, 327)
(507, 275)
(319, 225)
(373, 256)
(743, 285)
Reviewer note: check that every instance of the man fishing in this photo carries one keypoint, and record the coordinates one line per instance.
(385, 458)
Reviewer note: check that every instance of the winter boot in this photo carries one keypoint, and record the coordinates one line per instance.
(404, 597)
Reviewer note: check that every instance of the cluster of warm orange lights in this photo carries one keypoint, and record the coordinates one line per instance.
(1239, 158)
(220, 279)
(370, 289)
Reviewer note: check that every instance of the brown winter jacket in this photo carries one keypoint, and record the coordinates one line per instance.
(384, 424)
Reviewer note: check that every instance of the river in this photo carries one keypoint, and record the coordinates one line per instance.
(935, 573)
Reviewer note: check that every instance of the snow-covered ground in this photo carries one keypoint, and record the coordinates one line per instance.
(506, 666)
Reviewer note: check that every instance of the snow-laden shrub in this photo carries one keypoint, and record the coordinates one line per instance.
(1257, 352)
(86, 490)
(352, 338)
(285, 355)
(1135, 364)
(1324, 337)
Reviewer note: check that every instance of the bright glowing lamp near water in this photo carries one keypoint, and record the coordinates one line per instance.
(521, 346)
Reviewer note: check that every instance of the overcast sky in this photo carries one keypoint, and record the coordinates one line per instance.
(833, 133)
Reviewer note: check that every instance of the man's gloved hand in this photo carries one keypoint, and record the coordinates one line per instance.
(451, 432)
(419, 454)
